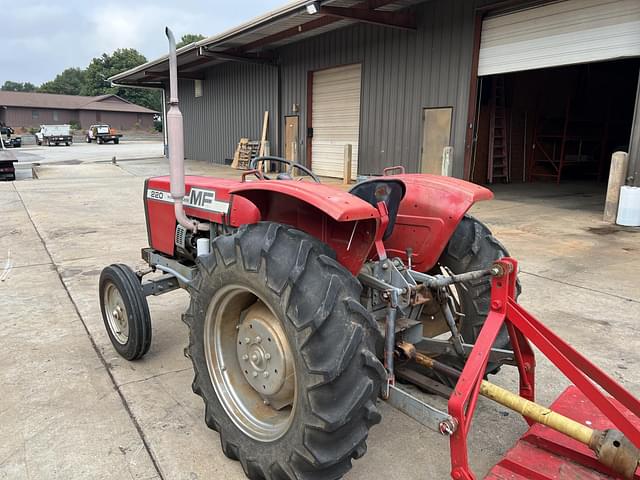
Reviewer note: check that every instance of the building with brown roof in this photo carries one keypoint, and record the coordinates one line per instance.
(30, 109)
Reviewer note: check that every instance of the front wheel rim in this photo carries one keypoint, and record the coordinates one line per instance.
(250, 363)
(116, 313)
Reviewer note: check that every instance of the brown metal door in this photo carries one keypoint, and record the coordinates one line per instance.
(436, 135)
(291, 138)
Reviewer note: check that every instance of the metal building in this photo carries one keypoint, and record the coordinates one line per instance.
(401, 79)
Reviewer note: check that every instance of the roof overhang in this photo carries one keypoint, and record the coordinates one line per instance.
(256, 40)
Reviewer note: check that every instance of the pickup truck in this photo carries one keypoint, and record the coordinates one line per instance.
(54, 135)
(8, 137)
(102, 134)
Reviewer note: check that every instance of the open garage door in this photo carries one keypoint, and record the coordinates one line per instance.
(335, 115)
(561, 33)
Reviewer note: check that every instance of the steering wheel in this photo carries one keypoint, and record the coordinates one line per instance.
(269, 158)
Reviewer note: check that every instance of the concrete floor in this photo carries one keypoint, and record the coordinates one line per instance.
(80, 152)
(71, 408)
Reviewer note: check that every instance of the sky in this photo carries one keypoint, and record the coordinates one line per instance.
(40, 38)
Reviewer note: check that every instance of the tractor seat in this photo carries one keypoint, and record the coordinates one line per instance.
(391, 192)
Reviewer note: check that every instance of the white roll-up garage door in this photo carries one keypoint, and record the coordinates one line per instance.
(561, 33)
(335, 118)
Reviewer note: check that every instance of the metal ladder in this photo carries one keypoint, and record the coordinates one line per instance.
(498, 162)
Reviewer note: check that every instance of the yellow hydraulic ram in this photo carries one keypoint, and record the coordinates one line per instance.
(611, 447)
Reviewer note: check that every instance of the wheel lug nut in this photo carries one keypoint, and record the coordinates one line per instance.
(255, 374)
(258, 339)
(247, 340)
(245, 357)
(265, 374)
(267, 356)
(265, 401)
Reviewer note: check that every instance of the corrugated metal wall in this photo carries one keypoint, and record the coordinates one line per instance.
(235, 97)
(402, 72)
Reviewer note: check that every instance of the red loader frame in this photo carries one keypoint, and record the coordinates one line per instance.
(524, 328)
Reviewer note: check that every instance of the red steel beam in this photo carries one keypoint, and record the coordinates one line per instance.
(387, 19)
(307, 26)
(289, 32)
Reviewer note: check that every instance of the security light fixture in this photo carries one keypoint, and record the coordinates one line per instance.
(313, 8)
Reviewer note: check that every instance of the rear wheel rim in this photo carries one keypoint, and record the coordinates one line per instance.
(116, 312)
(250, 363)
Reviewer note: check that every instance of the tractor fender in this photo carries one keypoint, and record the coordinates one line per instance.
(429, 214)
(343, 221)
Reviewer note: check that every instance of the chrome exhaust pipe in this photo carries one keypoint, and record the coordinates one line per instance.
(176, 142)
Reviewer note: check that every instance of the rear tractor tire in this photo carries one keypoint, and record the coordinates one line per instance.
(283, 354)
(473, 247)
(125, 311)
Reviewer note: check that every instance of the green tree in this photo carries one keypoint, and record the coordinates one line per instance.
(189, 38)
(103, 67)
(18, 86)
(69, 82)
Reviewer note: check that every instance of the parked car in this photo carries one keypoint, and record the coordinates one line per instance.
(54, 135)
(8, 137)
(102, 134)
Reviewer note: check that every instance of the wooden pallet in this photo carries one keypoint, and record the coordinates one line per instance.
(246, 151)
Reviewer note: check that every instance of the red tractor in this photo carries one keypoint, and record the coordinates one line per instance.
(308, 303)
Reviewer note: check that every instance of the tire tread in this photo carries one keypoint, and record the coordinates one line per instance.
(342, 374)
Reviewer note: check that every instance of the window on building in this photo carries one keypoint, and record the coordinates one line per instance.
(197, 87)
(56, 117)
(35, 114)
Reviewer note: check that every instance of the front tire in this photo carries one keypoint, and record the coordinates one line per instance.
(310, 420)
(125, 311)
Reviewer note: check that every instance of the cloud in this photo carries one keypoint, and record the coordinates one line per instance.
(43, 38)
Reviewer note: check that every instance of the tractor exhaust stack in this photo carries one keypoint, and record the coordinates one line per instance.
(176, 142)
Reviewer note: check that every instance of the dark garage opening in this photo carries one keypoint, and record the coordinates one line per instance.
(555, 125)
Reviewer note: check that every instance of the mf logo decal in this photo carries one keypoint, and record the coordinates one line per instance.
(206, 200)
(197, 198)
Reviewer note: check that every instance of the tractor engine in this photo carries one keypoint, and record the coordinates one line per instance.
(187, 243)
